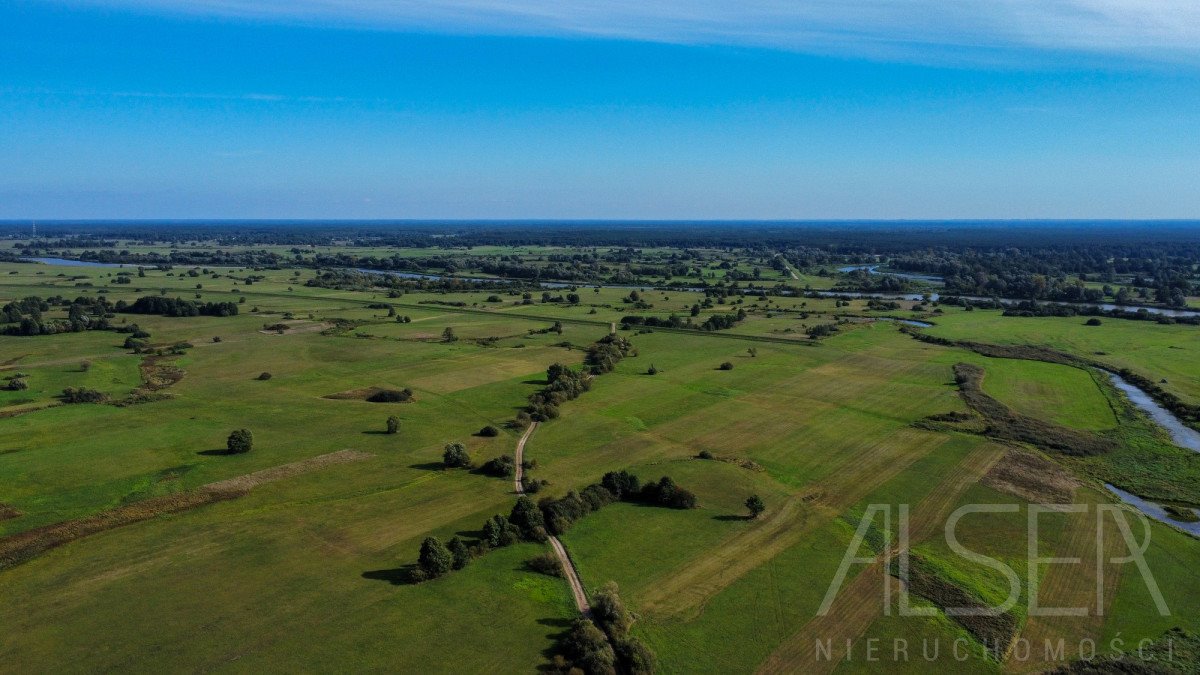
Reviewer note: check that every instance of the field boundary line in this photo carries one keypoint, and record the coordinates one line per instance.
(24, 546)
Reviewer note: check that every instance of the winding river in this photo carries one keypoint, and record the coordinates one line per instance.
(874, 269)
(1183, 436)
(1155, 511)
(67, 262)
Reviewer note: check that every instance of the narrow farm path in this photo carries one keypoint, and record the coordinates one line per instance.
(569, 570)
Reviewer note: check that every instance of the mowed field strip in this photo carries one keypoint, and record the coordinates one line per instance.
(861, 601)
(19, 548)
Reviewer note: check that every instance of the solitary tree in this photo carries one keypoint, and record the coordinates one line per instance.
(435, 558)
(240, 441)
(393, 424)
(448, 335)
(455, 456)
(756, 506)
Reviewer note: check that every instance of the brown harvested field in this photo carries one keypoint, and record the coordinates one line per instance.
(1033, 478)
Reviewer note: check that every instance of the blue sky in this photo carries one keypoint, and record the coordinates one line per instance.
(653, 109)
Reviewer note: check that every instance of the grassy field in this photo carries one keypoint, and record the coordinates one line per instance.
(1160, 352)
(1060, 394)
(305, 573)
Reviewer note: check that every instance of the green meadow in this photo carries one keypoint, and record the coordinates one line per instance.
(305, 572)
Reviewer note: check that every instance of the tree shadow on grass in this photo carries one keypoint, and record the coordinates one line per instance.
(400, 576)
(732, 517)
(376, 432)
(561, 627)
(428, 466)
(541, 382)
(216, 452)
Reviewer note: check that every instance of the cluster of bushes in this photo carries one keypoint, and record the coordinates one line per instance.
(499, 467)
(15, 383)
(723, 321)
(603, 644)
(557, 327)
(239, 442)
(83, 395)
(529, 521)
(82, 314)
(164, 306)
(391, 396)
(882, 305)
(546, 563)
(437, 558)
(604, 354)
(713, 322)
(455, 456)
(137, 339)
(16, 310)
(563, 384)
(821, 330)
(560, 514)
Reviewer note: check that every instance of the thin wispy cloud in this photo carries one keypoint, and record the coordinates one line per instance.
(1167, 29)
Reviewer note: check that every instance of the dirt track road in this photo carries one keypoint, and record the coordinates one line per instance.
(581, 601)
